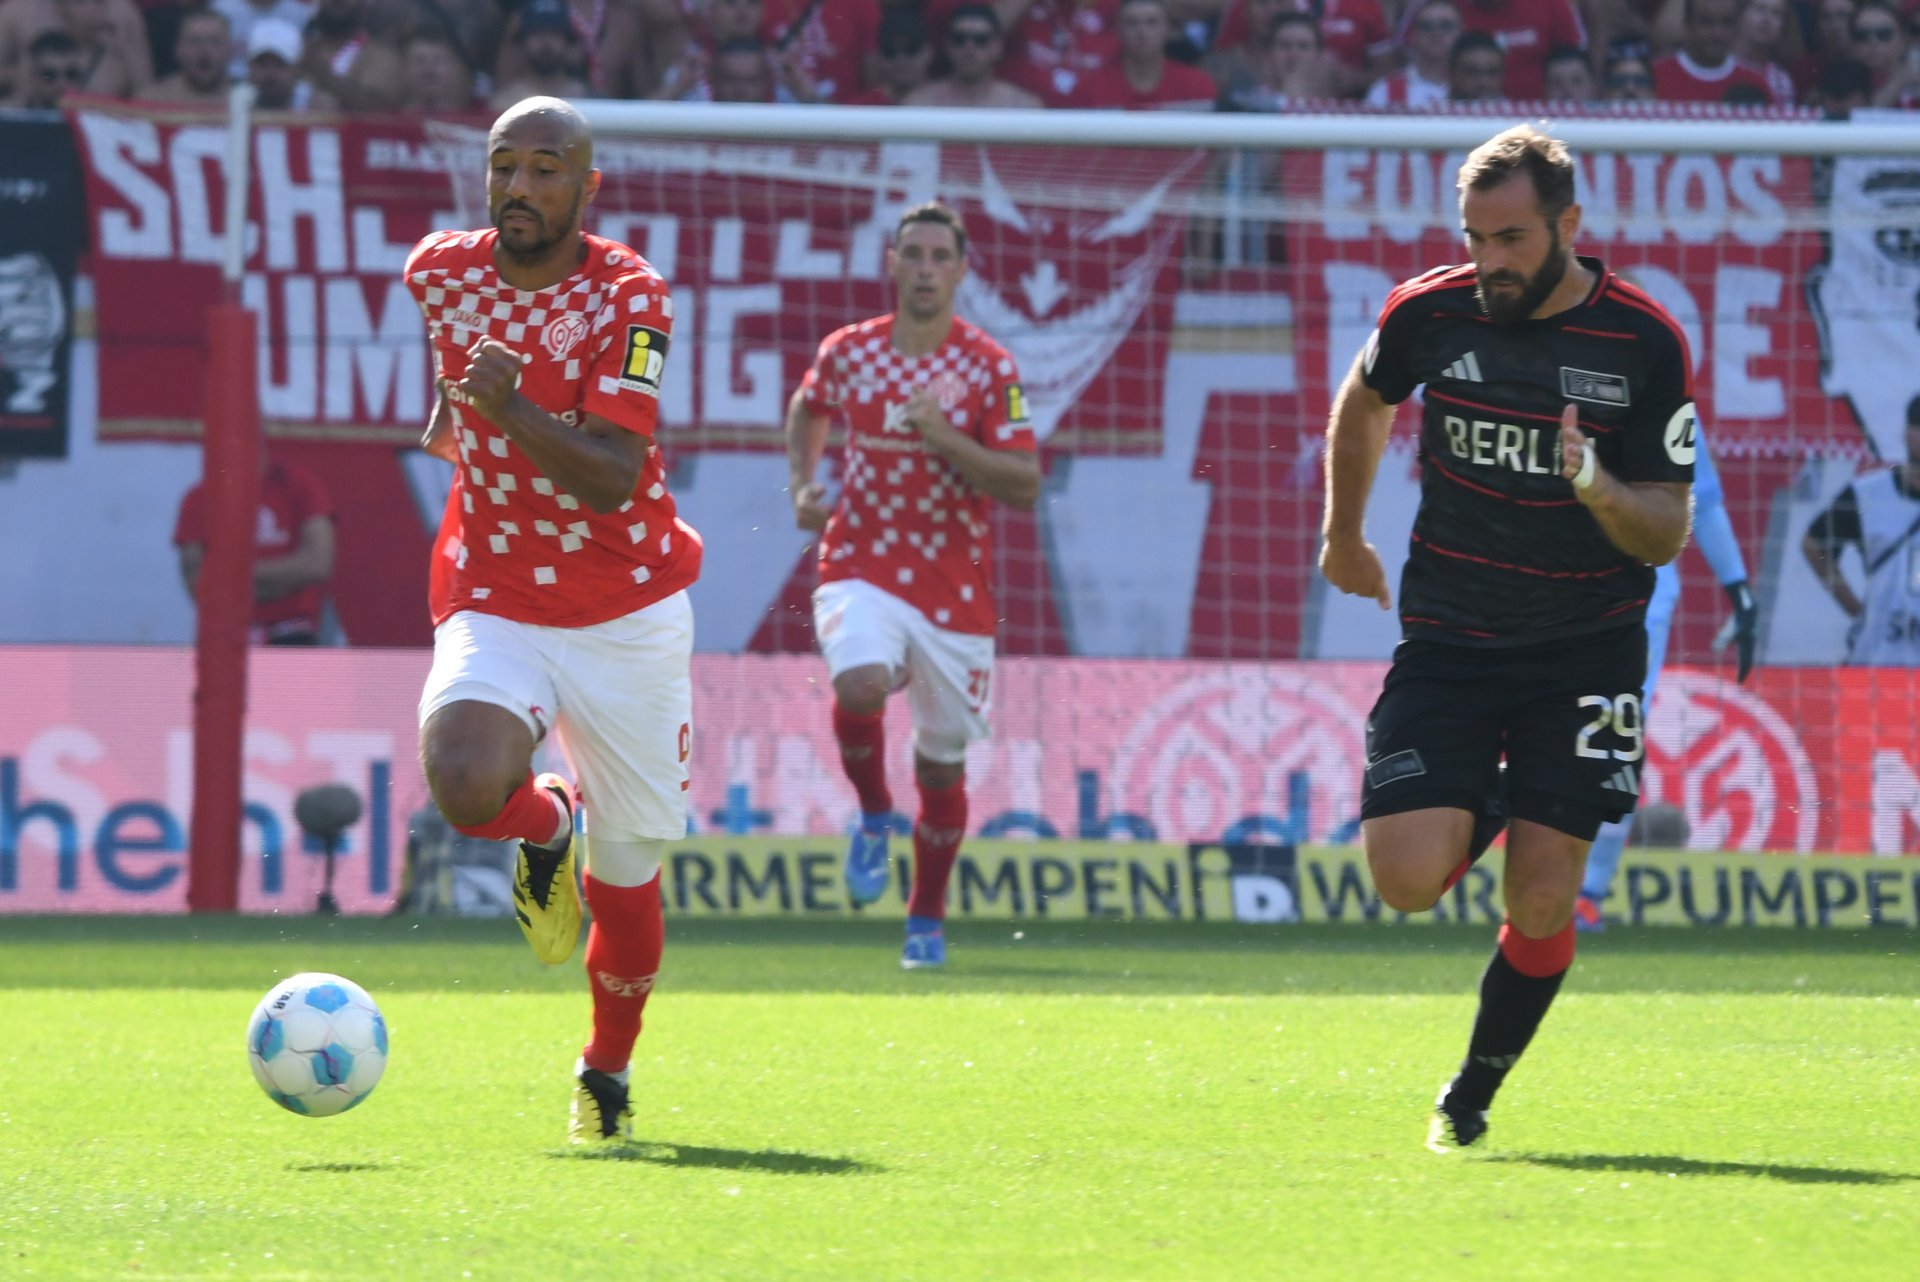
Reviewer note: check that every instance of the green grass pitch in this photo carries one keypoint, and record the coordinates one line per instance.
(1088, 1101)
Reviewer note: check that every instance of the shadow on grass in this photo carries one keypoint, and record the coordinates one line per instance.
(337, 1168)
(766, 1161)
(1662, 1164)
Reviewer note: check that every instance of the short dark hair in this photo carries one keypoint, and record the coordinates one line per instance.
(940, 215)
(54, 41)
(901, 26)
(1472, 42)
(1845, 77)
(984, 12)
(1523, 150)
(1567, 53)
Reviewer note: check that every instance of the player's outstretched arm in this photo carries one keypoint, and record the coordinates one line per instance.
(1357, 432)
(1645, 519)
(806, 442)
(600, 463)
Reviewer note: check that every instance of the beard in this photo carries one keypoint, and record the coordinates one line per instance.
(531, 244)
(1533, 289)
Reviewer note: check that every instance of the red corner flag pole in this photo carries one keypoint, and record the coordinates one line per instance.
(231, 476)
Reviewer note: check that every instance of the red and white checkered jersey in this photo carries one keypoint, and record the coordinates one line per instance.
(596, 343)
(907, 521)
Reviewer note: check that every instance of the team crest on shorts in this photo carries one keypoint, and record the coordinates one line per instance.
(562, 335)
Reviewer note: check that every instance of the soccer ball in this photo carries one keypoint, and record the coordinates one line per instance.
(317, 1044)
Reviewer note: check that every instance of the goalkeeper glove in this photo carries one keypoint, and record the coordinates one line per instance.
(1746, 625)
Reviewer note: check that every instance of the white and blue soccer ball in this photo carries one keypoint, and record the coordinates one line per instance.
(317, 1044)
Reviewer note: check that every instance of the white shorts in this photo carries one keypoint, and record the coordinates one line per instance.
(948, 674)
(619, 693)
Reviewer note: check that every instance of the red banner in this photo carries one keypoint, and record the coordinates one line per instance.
(1179, 318)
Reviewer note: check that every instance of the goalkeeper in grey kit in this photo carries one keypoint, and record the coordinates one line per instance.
(1557, 445)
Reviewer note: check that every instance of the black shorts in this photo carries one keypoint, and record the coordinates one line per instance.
(1565, 716)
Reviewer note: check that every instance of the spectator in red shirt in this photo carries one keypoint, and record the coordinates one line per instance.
(1144, 78)
(1880, 41)
(973, 48)
(1524, 30)
(1054, 43)
(825, 40)
(1629, 79)
(1757, 41)
(903, 58)
(1354, 34)
(1703, 68)
(293, 555)
(1428, 35)
(1569, 77)
(1476, 70)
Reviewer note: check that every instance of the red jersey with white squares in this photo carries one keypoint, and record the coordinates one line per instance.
(907, 521)
(595, 343)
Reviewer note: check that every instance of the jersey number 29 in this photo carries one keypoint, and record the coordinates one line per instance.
(1622, 713)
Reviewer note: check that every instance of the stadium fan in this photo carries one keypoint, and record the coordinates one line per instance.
(1429, 34)
(902, 58)
(1524, 30)
(754, 70)
(1358, 42)
(1569, 77)
(273, 67)
(241, 15)
(1527, 574)
(1143, 77)
(55, 66)
(936, 430)
(550, 52)
(567, 609)
(1703, 68)
(1880, 40)
(1476, 69)
(821, 44)
(203, 52)
(110, 33)
(1050, 44)
(438, 79)
(972, 45)
(1629, 79)
(293, 557)
(1759, 40)
(1283, 61)
(611, 60)
(1832, 31)
(344, 60)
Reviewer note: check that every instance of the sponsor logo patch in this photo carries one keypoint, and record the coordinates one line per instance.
(1016, 403)
(1589, 385)
(1401, 765)
(646, 359)
(1681, 433)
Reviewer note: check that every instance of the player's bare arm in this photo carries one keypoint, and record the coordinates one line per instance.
(598, 463)
(806, 442)
(1645, 519)
(1011, 476)
(1357, 432)
(1823, 558)
(437, 440)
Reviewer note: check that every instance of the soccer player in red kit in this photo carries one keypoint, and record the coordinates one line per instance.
(936, 429)
(565, 606)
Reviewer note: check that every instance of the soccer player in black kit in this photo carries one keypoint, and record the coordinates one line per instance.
(1556, 455)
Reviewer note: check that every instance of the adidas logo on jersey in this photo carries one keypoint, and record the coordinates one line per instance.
(1465, 370)
(1626, 779)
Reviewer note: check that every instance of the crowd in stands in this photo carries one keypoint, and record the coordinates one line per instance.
(451, 56)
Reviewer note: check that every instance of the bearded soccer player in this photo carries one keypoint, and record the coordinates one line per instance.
(1557, 446)
(565, 606)
(936, 431)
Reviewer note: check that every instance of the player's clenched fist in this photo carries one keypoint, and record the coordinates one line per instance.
(810, 509)
(1353, 566)
(493, 372)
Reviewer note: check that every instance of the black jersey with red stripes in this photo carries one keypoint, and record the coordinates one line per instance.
(1502, 553)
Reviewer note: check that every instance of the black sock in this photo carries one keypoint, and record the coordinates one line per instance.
(1511, 1008)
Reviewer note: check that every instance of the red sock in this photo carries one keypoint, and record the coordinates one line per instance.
(530, 814)
(1537, 958)
(623, 955)
(936, 844)
(863, 741)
